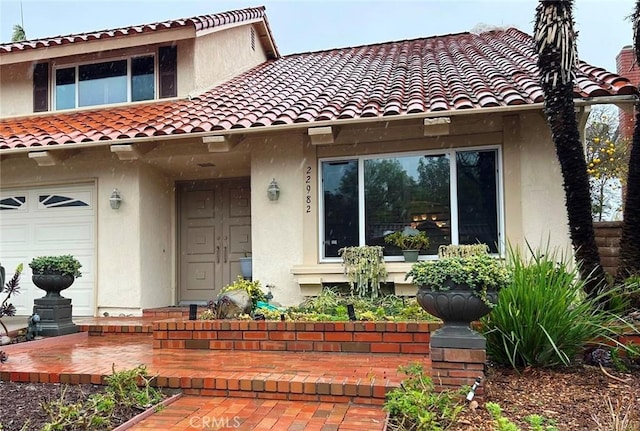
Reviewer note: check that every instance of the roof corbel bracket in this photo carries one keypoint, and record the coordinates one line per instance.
(322, 135)
(127, 151)
(221, 144)
(436, 126)
(46, 158)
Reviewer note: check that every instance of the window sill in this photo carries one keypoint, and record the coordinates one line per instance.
(310, 278)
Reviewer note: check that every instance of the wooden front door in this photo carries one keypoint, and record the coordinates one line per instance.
(215, 232)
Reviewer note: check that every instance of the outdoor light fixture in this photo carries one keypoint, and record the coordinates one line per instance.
(273, 192)
(115, 199)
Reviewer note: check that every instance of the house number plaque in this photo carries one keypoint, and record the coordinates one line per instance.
(307, 185)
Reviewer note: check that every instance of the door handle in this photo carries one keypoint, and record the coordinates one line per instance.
(217, 254)
(225, 254)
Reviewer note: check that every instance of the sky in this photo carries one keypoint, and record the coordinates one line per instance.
(303, 26)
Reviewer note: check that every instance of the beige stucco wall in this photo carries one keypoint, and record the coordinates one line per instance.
(134, 243)
(544, 217)
(16, 89)
(203, 62)
(157, 230)
(222, 55)
(276, 226)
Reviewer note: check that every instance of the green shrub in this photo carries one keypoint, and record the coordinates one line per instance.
(415, 405)
(332, 306)
(543, 317)
(65, 264)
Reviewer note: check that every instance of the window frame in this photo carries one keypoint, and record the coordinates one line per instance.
(453, 185)
(76, 66)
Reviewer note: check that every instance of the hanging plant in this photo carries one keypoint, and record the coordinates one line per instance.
(365, 269)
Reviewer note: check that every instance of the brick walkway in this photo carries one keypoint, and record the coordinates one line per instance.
(209, 413)
(243, 390)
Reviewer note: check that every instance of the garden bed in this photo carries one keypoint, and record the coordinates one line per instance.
(352, 337)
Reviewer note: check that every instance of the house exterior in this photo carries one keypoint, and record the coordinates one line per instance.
(192, 121)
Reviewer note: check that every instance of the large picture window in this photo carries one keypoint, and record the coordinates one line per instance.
(452, 196)
(103, 83)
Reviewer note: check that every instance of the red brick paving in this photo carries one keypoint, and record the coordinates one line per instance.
(265, 390)
(198, 413)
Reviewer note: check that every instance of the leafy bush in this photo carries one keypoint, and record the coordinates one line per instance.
(65, 264)
(478, 271)
(415, 405)
(332, 306)
(543, 317)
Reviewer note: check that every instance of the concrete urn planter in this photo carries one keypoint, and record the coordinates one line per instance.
(52, 283)
(457, 307)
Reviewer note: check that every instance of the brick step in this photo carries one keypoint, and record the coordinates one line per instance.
(115, 325)
(313, 376)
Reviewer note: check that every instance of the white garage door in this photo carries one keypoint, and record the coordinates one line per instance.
(49, 221)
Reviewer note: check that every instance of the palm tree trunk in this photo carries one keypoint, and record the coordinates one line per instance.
(555, 42)
(629, 260)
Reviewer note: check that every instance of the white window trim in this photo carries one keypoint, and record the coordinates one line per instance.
(76, 65)
(453, 201)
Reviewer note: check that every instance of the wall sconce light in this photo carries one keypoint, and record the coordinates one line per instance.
(273, 192)
(115, 199)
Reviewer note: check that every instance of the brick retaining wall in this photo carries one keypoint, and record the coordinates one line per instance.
(353, 337)
(608, 241)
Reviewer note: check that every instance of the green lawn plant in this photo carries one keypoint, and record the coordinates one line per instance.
(543, 318)
(416, 405)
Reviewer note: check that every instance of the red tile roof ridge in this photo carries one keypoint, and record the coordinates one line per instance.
(200, 22)
(401, 41)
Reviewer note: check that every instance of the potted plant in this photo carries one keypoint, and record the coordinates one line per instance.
(54, 273)
(365, 269)
(410, 241)
(460, 287)
(246, 264)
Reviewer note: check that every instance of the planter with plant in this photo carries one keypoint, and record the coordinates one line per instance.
(365, 269)
(54, 273)
(410, 241)
(460, 287)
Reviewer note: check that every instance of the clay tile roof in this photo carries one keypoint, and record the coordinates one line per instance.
(202, 22)
(455, 72)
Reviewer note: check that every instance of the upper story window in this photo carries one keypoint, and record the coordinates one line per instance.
(118, 81)
(133, 79)
(453, 196)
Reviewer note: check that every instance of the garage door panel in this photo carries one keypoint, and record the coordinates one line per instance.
(14, 236)
(64, 233)
(49, 221)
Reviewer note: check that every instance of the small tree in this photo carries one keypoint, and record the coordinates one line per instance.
(607, 159)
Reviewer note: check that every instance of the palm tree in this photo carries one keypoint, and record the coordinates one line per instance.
(629, 260)
(18, 33)
(555, 43)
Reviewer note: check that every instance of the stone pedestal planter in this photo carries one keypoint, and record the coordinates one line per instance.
(457, 307)
(54, 310)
